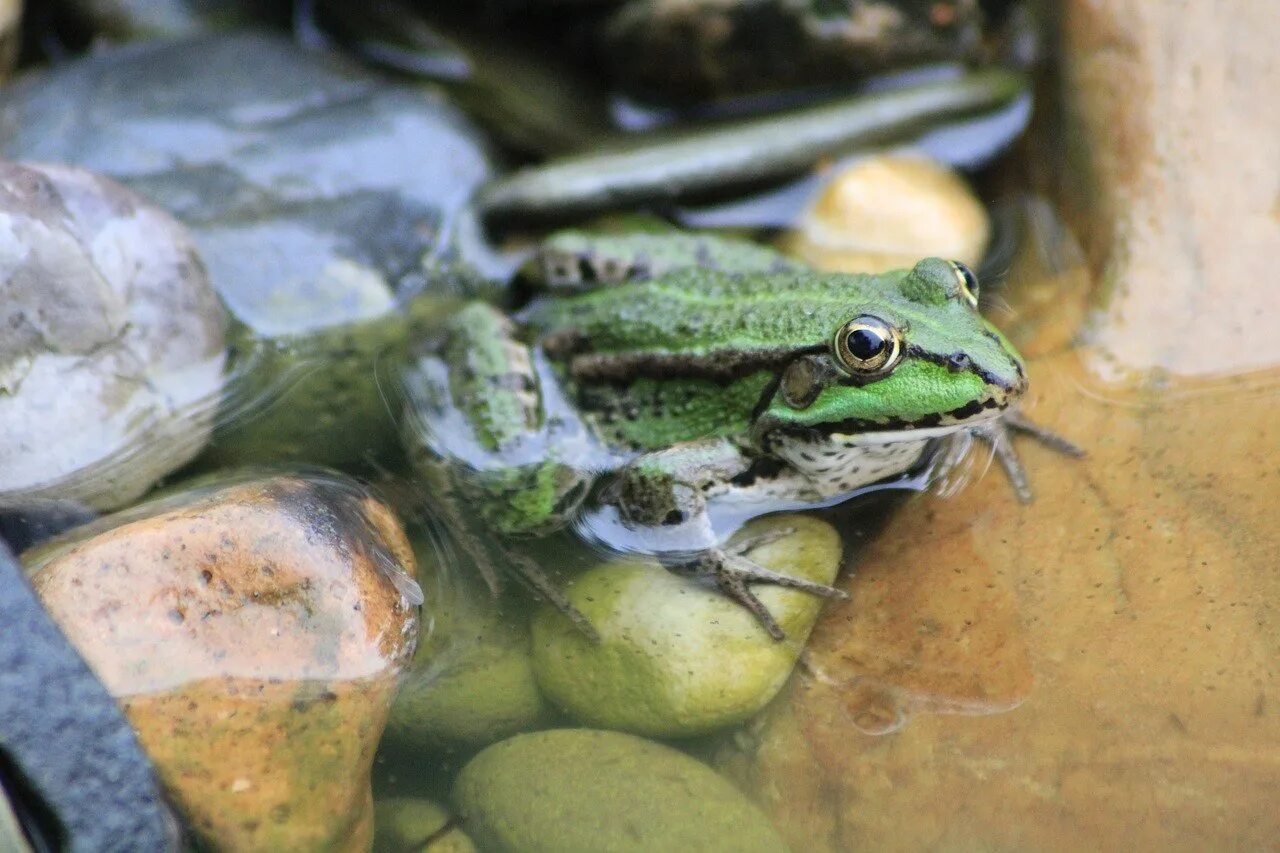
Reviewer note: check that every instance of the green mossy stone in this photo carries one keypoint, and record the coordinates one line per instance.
(471, 682)
(570, 790)
(676, 658)
(484, 692)
(410, 825)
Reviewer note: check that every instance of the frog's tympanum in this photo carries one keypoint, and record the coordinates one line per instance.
(646, 408)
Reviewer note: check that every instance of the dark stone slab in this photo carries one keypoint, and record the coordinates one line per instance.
(68, 759)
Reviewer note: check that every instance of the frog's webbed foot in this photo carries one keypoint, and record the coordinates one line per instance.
(733, 574)
(998, 434)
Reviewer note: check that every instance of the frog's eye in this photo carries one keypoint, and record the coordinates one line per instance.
(867, 345)
(968, 283)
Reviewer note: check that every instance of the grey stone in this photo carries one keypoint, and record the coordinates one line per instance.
(112, 356)
(321, 198)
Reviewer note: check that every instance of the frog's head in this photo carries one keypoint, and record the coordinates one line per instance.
(913, 355)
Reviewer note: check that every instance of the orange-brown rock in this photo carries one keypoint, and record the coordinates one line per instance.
(1136, 601)
(253, 633)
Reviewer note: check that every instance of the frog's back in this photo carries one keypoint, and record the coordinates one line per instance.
(703, 311)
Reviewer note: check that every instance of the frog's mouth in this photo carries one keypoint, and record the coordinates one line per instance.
(938, 423)
(856, 431)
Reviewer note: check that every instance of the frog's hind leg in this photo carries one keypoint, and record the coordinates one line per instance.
(477, 410)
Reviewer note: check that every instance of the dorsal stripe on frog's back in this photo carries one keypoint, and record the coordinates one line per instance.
(727, 365)
(686, 311)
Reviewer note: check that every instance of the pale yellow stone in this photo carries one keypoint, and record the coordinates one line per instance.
(675, 657)
(887, 212)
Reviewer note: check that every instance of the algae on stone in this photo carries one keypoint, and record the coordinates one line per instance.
(412, 825)
(570, 790)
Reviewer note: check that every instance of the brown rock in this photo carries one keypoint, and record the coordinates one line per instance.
(1141, 584)
(253, 633)
(945, 639)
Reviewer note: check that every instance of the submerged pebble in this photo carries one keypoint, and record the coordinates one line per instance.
(254, 634)
(473, 683)
(573, 790)
(676, 658)
(409, 825)
(112, 354)
(887, 212)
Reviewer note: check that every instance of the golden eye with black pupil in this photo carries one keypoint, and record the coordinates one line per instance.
(867, 345)
(968, 283)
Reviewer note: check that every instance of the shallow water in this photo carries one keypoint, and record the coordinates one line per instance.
(1099, 664)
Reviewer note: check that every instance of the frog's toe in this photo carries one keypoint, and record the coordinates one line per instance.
(734, 575)
(751, 572)
(1017, 422)
(734, 585)
(998, 434)
(748, 544)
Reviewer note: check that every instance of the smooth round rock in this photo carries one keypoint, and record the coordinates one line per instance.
(471, 682)
(887, 212)
(112, 349)
(410, 825)
(254, 634)
(573, 790)
(676, 658)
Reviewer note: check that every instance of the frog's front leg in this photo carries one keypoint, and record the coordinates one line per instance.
(998, 434)
(670, 487)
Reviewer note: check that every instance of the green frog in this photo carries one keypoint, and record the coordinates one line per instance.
(665, 385)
